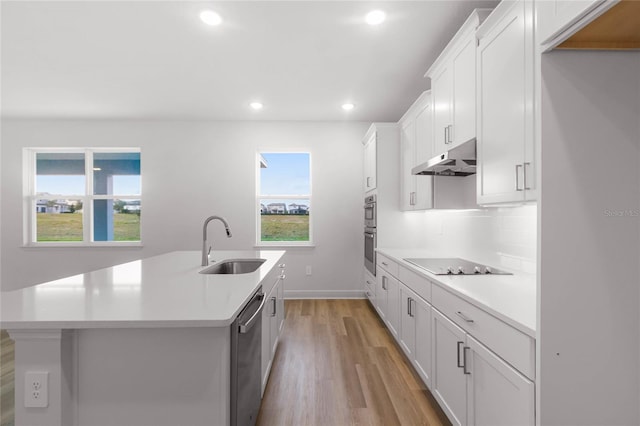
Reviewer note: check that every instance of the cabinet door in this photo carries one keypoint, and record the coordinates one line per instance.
(407, 180)
(449, 383)
(370, 164)
(498, 394)
(266, 342)
(370, 287)
(280, 304)
(422, 356)
(407, 322)
(441, 95)
(273, 318)
(381, 293)
(423, 192)
(505, 108)
(393, 305)
(463, 67)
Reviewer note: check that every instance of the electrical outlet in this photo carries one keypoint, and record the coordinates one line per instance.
(36, 389)
(308, 269)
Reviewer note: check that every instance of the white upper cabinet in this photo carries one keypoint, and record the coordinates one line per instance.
(506, 170)
(441, 99)
(370, 169)
(558, 19)
(453, 87)
(416, 192)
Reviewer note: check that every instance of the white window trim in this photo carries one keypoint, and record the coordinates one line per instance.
(273, 244)
(30, 199)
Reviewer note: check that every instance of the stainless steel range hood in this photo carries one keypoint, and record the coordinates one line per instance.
(458, 161)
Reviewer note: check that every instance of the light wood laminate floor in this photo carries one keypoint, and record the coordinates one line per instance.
(6, 379)
(338, 365)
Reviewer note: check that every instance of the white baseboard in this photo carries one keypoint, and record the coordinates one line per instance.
(324, 294)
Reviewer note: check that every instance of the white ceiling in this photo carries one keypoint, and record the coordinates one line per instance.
(157, 60)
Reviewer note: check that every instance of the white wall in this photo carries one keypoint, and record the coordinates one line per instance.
(588, 314)
(503, 236)
(191, 170)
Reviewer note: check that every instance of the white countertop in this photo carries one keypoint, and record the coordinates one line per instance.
(160, 291)
(511, 298)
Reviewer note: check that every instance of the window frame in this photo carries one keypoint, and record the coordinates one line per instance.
(30, 198)
(259, 161)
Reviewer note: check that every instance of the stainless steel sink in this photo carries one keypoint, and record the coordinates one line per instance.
(234, 266)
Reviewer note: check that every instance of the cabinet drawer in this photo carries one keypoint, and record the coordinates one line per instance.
(419, 284)
(369, 287)
(515, 347)
(387, 264)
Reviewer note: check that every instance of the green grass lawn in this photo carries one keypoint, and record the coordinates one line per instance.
(68, 227)
(282, 227)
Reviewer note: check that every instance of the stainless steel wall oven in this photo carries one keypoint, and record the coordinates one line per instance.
(370, 249)
(370, 211)
(370, 235)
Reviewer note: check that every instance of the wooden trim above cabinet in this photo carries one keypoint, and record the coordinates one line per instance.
(616, 29)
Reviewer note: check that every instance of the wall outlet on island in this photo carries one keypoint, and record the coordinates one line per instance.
(36, 389)
(308, 269)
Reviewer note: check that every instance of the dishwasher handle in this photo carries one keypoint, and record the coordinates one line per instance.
(244, 328)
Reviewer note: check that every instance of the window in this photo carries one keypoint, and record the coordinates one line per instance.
(82, 196)
(284, 199)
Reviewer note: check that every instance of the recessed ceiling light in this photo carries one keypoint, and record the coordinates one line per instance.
(348, 106)
(256, 105)
(375, 17)
(210, 17)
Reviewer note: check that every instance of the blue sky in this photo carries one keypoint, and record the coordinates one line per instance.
(286, 174)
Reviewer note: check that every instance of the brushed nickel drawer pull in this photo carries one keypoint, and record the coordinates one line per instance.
(463, 316)
(460, 344)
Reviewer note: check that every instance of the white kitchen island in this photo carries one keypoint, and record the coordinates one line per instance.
(142, 343)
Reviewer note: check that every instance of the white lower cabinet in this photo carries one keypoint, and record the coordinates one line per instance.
(272, 324)
(473, 385)
(370, 286)
(415, 331)
(478, 368)
(496, 393)
(388, 298)
(449, 384)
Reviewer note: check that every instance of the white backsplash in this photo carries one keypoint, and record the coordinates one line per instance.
(503, 236)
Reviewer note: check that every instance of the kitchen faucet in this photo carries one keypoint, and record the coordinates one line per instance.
(205, 252)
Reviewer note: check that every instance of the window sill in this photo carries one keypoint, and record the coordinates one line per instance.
(132, 245)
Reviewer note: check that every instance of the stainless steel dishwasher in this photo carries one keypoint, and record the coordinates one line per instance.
(246, 362)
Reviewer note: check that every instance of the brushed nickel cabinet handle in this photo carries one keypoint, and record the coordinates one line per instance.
(464, 360)
(524, 175)
(463, 316)
(518, 166)
(460, 344)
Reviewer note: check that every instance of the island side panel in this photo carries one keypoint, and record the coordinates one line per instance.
(153, 377)
(51, 352)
